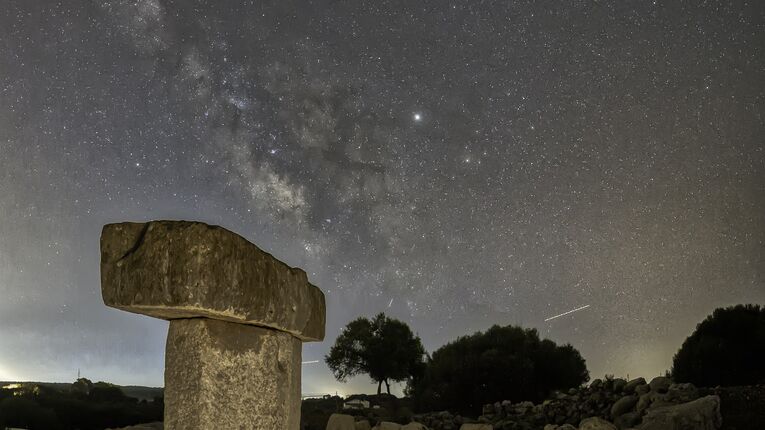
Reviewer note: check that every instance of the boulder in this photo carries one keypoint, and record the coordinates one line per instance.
(645, 401)
(700, 414)
(596, 383)
(660, 384)
(414, 426)
(682, 393)
(642, 389)
(630, 386)
(628, 420)
(341, 422)
(559, 427)
(619, 385)
(477, 427)
(595, 423)
(386, 425)
(623, 405)
(363, 425)
(523, 407)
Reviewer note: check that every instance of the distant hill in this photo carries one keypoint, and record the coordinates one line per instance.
(141, 393)
(135, 391)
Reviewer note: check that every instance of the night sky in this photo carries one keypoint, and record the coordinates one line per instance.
(453, 164)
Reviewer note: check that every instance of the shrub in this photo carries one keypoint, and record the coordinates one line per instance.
(504, 363)
(727, 348)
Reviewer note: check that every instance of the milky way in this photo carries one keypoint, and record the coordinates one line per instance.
(453, 164)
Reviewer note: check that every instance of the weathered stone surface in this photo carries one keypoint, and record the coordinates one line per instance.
(700, 414)
(222, 375)
(681, 393)
(413, 426)
(180, 269)
(385, 425)
(660, 384)
(595, 423)
(642, 389)
(629, 388)
(341, 422)
(628, 420)
(645, 400)
(363, 425)
(623, 405)
(477, 427)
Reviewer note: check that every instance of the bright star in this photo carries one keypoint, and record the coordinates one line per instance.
(417, 117)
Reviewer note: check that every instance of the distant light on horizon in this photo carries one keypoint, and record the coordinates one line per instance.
(6, 375)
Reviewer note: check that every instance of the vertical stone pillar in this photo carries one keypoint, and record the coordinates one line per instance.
(238, 318)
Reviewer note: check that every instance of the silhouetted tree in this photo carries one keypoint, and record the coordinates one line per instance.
(384, 348)
(106, 392)
(82, 386)
(727, 348)
(504, 363)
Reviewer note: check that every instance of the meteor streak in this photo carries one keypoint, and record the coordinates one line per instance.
(566, 313)
(310, 362)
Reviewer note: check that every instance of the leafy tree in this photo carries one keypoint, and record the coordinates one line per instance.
(106, 392)
(727, 348)
(504, 363)
(384, 348)
(82, 386)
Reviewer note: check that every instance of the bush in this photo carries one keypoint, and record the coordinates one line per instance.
(504, 363)
(727, 348)
(25, 413)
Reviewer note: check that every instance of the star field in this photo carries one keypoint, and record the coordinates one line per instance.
(453, 164)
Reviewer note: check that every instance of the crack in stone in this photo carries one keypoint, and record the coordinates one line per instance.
(138, 242)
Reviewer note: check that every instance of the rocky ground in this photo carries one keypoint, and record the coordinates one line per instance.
(610, 404)
(620, 404)
(742, 408)
(613, 404)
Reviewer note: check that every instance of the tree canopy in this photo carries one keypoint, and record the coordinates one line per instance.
(507, 363)
(383, 348)
(727, 348)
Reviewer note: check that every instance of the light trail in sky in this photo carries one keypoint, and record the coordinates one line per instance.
(310, 362)
(566, 313)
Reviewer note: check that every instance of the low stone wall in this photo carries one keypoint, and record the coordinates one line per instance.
(616, 403)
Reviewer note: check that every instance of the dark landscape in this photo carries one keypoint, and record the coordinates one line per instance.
(382, 214)
(540, 384)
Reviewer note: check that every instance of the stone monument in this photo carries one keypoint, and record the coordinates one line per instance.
(238, 317)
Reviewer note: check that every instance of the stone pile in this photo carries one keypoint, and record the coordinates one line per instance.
(443, 420)
(612, 404)
(348, 422)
